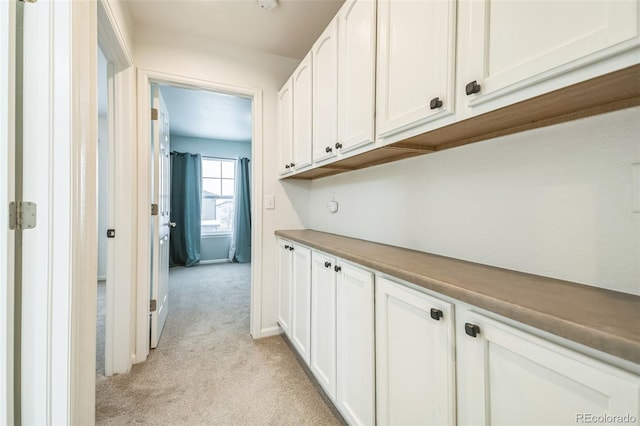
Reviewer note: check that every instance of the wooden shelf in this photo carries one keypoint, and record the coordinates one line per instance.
(610, 92)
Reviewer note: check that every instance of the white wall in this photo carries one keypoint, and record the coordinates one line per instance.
(213, 247)
(203, 59)
(555, 201)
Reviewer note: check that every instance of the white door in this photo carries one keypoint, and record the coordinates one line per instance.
(508, 377)
(302, 113)
(416, 57)
(301, 310)
(357, 62)
(356, 360)
(325, 94)
(415, 376)
(323, 321)
(160, 195)
(285, 127)
(284, 285)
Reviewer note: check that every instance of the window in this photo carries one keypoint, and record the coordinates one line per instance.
(218, 186)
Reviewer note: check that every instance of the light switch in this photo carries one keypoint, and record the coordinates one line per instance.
(269, 201)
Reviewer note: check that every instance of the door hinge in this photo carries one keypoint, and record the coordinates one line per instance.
(154, 113)
(22, 215)
(152, 305)
(154, 210)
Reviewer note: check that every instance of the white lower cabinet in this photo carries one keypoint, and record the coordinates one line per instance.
(323, 321)
(507, 377)
(356, 359)
(285, 269)
(415, 375)
(301, 300)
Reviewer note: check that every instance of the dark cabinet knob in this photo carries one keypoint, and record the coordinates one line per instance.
(472, 88)
(291, 248)
(436, 314)
(328, 149)
(435, 103)
(292, 165)
(286, 246)
(337, 268)
(327, 264)
(338, 145)
(286, 166)
(471, 329)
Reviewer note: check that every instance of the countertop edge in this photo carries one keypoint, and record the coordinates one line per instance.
(612, 344)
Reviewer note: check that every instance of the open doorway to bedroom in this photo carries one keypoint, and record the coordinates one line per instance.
(210, 140)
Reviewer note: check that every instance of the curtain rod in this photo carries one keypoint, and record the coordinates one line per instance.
(207, 156)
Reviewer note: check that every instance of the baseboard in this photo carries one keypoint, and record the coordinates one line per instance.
(268, 332)
(209, 262)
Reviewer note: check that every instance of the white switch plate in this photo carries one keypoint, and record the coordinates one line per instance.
(269, 201)
(635, 186)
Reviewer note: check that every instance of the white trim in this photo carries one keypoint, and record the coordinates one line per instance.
(270, 331)
(145, 76)
(213, 261)
(7, 181)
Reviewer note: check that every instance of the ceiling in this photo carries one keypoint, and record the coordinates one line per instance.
(207, 115)
(288, 30)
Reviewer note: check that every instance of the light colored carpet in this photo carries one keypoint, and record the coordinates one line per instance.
(207, 369)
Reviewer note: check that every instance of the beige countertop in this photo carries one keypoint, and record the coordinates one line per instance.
(602, 319)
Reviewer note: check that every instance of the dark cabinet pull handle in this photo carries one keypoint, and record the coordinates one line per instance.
(337, 268)
(472, 88)
(436, 314)
(471, 329)
(328, 149)
(338, 145)
(435, 103)
(327, 264)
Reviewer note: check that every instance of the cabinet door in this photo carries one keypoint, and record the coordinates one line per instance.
(507, 377)
(323, 321)
(356, 382)
(284, 285)
(512, 46)
(356, 90)
(285, 127)
(301, 309)
(325, 93)
(416, 51)
(415, 377)
(302, 113)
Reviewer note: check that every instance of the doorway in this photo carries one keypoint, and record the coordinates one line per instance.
(145, 80)
(210, 140)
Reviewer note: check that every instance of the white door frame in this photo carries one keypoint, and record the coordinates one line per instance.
(7, 181)
(122, 156)
(58, 322)
(145, 78)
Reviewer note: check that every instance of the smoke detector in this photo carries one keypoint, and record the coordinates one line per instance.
(268, 4)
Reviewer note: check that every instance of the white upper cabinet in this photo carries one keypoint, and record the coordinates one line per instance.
(356, 82)
(325, 93)
(416, 60)
(415, 372)
(507, 376)
(285, 127)
(516, 50)
(303, 113)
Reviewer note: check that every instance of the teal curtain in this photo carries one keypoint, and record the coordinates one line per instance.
(186, 200)
(240, 247)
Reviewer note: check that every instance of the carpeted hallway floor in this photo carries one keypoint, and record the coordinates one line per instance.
(207, 369)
